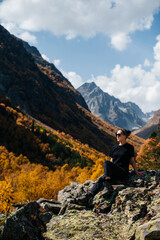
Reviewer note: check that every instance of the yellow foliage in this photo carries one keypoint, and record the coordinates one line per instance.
(149, 155)
(84, 175)
(6, 191)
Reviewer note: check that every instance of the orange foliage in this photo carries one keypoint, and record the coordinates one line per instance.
(6, 199)
(149, 155)
(24, 181)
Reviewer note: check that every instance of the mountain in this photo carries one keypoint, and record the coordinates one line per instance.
(41, 91)
(54, 74)
(150, 127)
(108, 108)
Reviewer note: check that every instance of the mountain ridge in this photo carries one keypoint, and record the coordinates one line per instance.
(55, 75)
(125, 115)
(150, 127)
(45, 94)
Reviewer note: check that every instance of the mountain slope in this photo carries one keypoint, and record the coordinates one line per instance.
(150, 127)
(55, 75)
(108, 108)
(36, 160)
(45, 94)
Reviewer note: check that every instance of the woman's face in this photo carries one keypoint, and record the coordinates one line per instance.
(120, 136)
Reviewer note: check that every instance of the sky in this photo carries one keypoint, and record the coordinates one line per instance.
(115, 43)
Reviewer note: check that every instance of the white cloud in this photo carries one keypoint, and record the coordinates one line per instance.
(147, 63)
(28, 37)
(135, 84)
(57, 62)
(74, 78)
(81, 18)
(11, 27)
(156, 69)
(45, 58)
(157, 49)
(120, 41)
(153, 93)
(128, 84)
(25, 35)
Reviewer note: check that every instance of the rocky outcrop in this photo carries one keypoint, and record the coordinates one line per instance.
(24, 224)
(131, 212)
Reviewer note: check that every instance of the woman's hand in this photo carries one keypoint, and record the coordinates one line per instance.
(133, 163)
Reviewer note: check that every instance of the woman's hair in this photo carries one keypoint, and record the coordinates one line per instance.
(126, 132)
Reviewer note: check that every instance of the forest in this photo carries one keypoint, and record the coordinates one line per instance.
(36, 161)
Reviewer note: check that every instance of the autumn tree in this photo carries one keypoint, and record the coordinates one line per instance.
(149, 155)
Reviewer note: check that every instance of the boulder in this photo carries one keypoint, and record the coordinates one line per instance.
(24, 224)
(150, 230)
(50, 205)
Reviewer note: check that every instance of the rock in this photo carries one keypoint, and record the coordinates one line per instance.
(24, 224)
(46, 217)
(54, 208)
(44, 200)
(81, 225)
(70, 193)
(134, 203)
(150, 230)
(50, 205)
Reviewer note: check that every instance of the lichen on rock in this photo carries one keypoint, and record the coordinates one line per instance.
(133, 203)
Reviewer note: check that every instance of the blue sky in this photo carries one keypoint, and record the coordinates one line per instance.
(114, 43)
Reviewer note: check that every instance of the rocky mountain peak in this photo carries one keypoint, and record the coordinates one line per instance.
(90, 86)
(111, 109)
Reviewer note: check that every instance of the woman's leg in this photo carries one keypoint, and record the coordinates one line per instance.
(97, 186)
(113, 171)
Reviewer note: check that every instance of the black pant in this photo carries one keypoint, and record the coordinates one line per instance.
(110, 170)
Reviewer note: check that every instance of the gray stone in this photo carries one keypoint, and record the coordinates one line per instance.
(44, 200)
(55, 208)
(24, 224)
(149, 231)
(46, 217)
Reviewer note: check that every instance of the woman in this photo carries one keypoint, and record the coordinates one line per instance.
(117, 168)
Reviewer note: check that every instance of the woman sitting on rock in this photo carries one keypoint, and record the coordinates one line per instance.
(117, 168)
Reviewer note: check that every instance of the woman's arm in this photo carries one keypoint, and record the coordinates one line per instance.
(133, 163)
